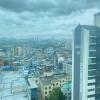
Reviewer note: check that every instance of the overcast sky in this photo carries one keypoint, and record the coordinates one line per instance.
(26, 18)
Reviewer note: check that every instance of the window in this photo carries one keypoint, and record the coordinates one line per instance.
(89, 90)
(89, 84)
(92, 66)
(92, 60)
(45, 88)
(91, 73)
(92, 47)
(36, 81)
(89, 96)
(92, 54)
(45, 92)
(53, 84)
(92, 40)
(93, 34)
(49, 87)
(89, 78)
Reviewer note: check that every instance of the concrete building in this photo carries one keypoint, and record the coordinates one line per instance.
(17, 51)
(48, 83)
(86, 63)
(97, 19)
(67, 67)
(32, 89)
(2, 53)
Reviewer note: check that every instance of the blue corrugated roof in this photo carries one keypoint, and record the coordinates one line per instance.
(7, 67)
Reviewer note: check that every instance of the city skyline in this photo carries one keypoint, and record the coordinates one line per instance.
(27, 18)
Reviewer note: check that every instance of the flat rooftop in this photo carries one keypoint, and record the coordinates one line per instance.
(31, 83)
(12, 86)
(50, 79)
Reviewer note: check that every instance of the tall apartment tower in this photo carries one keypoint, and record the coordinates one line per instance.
(97, 19)
(86, 63)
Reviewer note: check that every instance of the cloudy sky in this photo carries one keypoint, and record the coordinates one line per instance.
(26, 18)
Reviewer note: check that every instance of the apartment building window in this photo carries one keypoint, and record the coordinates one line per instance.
(36, 81)
(92, 60)
(92, 47)
(89, 78)
(49, 91)
(89, 90)
(92, 66)
(45, 88)
(46, 97)
(56, 83)
(89, 96)
(53, 84)
(45, 92)
(92, 54)
(92, 40)
(89, 84)
(49, 87)
(93, 34)
(91, 73)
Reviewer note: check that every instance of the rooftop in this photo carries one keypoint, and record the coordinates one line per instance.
(88, 27)
(12, 86)
(31, 83)
(50, 79)
(67, 85)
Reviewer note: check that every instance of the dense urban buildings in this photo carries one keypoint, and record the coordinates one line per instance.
(30, 67)
(40, 58)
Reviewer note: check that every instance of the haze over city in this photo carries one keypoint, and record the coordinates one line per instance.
(26, 18)
(50, 49)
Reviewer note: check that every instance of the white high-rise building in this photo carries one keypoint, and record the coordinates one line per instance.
(86, 63)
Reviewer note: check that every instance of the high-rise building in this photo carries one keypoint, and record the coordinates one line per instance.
(86, 63)
(17, 51)
(97, 19)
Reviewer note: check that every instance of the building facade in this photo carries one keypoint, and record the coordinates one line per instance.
(97, 19)
(47, 84)
(86, 63)
(67, 67)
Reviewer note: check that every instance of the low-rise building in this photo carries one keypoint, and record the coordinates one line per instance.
(67, 67)
(32, 89)
(48, 83)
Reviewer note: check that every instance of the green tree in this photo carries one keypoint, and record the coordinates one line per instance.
(56, 94)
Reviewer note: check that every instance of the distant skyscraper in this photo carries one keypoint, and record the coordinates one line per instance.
(86, 63)
(55, 59)
(97, 19)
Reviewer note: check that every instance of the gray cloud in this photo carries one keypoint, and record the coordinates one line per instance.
(19, 18)
(28, 24)
(56, 7)
(27, 5)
